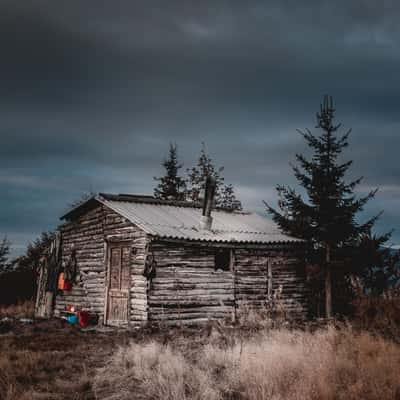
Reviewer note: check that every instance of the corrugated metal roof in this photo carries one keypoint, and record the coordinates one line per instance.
(182, 222)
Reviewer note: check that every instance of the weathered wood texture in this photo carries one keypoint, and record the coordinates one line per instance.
(271, 274)
(186, 286)
(116, 229)
(188, 289)
(88, 234)
(44, 298)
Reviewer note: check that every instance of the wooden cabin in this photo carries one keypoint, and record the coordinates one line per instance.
(139, 260)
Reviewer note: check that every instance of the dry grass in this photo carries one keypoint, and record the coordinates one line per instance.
(53, 360)
(152, 371)
(279, 364)
(379, 313)
(23, 309)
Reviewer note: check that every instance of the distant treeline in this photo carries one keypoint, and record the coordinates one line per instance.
(18, 276)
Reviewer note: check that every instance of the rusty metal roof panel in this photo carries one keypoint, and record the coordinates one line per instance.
(182, 222)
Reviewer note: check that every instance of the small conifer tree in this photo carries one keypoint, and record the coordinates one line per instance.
(229, 200)
(4, 252)
(197, 175)
(171, 186)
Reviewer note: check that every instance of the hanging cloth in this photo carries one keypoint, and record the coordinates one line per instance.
(70, 268)
(150, 267)
(61, 281)
(54, 263)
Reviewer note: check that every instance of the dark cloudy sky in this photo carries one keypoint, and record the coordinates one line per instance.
(93, 91)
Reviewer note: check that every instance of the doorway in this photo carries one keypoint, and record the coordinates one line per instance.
(118, 284)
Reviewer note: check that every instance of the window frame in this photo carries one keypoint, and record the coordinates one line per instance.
(226, 253)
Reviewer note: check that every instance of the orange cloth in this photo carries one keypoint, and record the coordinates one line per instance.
(63, 284)
(61, 281)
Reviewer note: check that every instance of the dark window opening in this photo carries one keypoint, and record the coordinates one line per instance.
(222, 259)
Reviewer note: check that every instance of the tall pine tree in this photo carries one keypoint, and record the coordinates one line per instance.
(327, 218)
(171, 186)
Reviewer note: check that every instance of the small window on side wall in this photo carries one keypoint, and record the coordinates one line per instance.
(222, 260)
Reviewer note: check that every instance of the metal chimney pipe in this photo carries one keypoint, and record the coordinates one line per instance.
(206, 219)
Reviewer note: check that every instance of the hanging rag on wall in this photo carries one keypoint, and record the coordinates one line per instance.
(150, 267)
(63, 284)
(70, 268)
(54, 263)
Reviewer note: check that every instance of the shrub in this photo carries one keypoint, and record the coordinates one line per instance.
(23, 309)
(17, 286)
(379, 313)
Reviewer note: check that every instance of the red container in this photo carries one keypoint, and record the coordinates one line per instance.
(70, 307)
(84, 318)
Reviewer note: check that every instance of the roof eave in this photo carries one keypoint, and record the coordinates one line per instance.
(76, 208)
(294, 241)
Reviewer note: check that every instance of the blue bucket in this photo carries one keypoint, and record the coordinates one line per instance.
(72, 319)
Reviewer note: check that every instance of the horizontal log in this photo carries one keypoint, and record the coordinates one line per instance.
(191, 276)
(192, 298)
(181, 319)
(190, 304)
(205, 291)
(184, 286)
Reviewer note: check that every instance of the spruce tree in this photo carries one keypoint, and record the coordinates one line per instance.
(34, 252)
(171, 186)
(197, 177)
(376, 265)
(4, 252)
(326, 219)
(229, 200)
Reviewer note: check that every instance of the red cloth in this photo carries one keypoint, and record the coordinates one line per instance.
(67, 285)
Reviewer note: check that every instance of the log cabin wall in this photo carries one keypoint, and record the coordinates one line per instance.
(90, 234)
(264, 274)
(86, 234)
(187, 288)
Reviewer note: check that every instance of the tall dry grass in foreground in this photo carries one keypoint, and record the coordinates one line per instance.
(276, 365)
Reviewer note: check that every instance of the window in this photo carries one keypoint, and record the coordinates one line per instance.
(222, 259)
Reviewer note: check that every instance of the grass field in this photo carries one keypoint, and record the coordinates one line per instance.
(52, 360)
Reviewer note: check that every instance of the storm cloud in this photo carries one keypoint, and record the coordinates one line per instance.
(93, 91)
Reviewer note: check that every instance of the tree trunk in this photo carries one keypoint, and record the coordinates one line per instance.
(328, 283)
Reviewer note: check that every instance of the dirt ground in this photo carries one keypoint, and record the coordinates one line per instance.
(52, 359)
